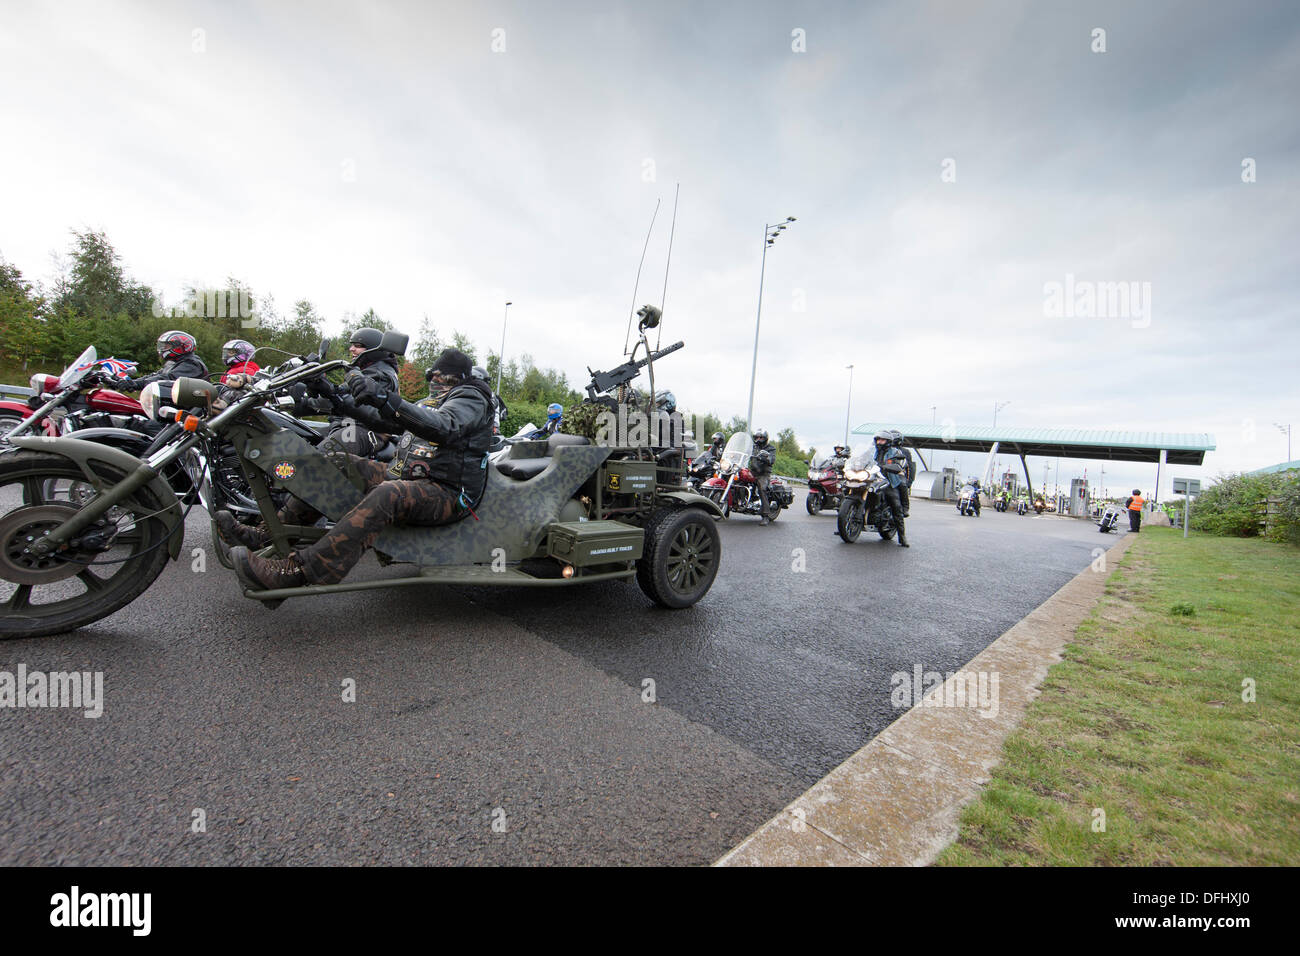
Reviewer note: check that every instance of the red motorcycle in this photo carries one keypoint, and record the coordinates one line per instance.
(734, 488)
(76, 401)
(825, 484)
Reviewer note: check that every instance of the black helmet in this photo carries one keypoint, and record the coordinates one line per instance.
(236, 351)
(174, 344)
(760, 437)
(717, 438)
(666, 401)
(895, 436)
(366, 338)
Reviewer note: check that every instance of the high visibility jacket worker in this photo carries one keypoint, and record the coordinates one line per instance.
(1134, 505)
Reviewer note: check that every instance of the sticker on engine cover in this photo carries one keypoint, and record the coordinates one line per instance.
(285, 469)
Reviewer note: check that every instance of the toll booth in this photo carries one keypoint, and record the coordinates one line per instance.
(1078, 497)
(1010, 481)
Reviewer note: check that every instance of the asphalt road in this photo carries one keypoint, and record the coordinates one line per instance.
(502, 726)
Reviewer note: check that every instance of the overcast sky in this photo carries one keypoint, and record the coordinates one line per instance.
(946, 162)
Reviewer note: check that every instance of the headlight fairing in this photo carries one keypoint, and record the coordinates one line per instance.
(151, 399)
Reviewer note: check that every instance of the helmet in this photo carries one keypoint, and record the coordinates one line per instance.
(554, 411)
(841, 451)
(174, 344)
(717, 438)
(884, 435)
(895, 436)
(478, 371)
(236, 351)
(1136, 492)
(666, 401)
(760, 437)
(366, 338)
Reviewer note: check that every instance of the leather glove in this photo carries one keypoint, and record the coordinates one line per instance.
(319, 386)
(369, 391)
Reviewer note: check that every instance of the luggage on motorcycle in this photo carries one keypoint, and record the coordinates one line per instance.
(584, 543)
(630, 477)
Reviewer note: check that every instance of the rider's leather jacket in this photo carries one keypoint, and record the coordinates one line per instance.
(446, 438)
(187, 366)
(761, 461)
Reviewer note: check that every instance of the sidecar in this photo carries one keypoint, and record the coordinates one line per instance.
(556, 512)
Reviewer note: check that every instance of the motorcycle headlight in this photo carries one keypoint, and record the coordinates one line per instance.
(853, 475)
(151, 399)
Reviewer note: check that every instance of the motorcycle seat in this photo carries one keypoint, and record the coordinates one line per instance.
(522, 469)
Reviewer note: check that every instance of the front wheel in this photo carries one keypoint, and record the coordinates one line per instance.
(8, 422)
(103, 570)
(849, 520)
(814, 502)
(683, 552)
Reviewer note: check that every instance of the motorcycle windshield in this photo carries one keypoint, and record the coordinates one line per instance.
(863, 462)
(739, 449)
(819, 463)
(82, 364)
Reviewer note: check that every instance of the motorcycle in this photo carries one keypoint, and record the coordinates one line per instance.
(734, 487)
(77, 401)
(863, 505)
(968, 503)
(559, 512)
(1022, 507)
(825, 485)
(701, 469)
(1039, 506)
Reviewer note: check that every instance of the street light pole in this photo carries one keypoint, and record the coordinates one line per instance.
(1286, 429)
(997, 407)
(848, 411)
(934, 414)
(501, 359)
(770, 233)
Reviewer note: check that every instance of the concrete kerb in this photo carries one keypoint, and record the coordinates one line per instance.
(896, 801)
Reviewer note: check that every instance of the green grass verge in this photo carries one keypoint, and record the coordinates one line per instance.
(1144, 719)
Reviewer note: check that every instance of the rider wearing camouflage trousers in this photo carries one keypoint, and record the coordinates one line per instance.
(439, 474)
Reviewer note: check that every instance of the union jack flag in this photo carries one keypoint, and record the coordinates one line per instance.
(118, 366)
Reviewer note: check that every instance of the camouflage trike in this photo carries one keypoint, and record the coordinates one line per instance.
(568, 510)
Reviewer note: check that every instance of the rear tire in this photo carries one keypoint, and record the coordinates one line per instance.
(682, 554)
(814, 502)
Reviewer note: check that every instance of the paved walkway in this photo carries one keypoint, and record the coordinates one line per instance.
(896, 801)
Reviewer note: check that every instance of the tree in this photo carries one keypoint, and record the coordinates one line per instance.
(462, 343)
(94, 284)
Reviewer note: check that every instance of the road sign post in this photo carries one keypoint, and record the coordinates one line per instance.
(1187, 487)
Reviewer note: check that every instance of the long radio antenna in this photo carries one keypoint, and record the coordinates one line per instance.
(631, 311)
(663, 300)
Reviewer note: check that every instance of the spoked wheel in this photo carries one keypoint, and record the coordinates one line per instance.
(716, 497)
(7, 424)
(850, 519)
(105, 568)
(682, 554)
(814, 502)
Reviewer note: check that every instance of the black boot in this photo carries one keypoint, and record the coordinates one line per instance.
(902, 536)
(234, 533)
(267, 574)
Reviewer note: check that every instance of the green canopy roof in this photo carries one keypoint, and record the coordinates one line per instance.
(1181, 448)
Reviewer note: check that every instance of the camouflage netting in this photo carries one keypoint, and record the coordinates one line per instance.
(583, 419)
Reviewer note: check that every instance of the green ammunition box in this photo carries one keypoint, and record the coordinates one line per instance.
(629, 477)
(584, 543)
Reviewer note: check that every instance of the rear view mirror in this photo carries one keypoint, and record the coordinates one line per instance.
(323, 350)
(395, 342)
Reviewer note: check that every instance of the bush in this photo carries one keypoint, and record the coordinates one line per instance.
(1234, 505)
